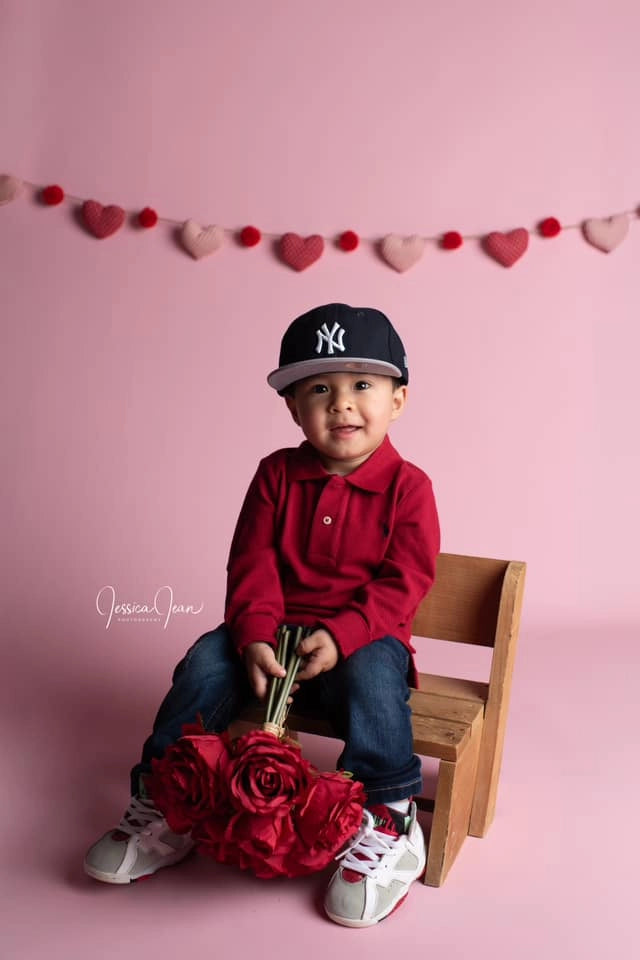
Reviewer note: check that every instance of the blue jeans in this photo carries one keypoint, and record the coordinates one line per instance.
(365, 697)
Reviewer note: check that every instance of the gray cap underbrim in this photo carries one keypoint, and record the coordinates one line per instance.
(283, 377)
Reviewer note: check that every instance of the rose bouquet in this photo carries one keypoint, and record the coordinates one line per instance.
(255, 801)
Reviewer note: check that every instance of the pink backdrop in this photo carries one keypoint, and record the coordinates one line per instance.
(134, 398)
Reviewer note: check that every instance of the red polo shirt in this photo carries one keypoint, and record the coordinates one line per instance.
(352, 554)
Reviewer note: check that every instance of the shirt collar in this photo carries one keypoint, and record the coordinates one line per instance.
(375, 474)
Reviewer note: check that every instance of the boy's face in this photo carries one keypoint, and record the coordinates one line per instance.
(345, 416)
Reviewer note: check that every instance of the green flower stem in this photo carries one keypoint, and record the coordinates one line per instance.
(280, 687)
(283, 636)
(287, 683)
(293, 669)
(284, 689)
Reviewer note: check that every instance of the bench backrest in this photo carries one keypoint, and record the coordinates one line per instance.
(464, 601)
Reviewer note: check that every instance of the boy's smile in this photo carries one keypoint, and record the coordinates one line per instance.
(345, 416)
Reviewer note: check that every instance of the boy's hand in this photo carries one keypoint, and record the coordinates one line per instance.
(320, 654)
(260, 661)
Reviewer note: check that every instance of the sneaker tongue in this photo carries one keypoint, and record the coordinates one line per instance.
(389, 821)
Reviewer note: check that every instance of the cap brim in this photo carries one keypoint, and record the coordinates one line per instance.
(283, 377)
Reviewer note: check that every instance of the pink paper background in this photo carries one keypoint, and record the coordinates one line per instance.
(135, 408)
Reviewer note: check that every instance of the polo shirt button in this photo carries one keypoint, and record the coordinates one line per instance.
(327, 520)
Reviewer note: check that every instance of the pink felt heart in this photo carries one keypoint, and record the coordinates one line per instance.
(102, 221)
(201, 241)
(10, 188)
(300, 252)
(402, 252)
(506, 248)
(606, 234)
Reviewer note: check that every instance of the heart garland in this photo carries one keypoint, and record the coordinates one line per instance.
(102, 221)
(607, 233)
(201, 241)
(298, 252)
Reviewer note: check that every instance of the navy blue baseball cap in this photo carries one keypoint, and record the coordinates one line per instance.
(337, 338)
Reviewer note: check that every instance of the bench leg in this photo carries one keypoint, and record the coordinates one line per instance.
(452, 810)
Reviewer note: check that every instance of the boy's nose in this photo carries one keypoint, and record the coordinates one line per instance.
(340, 400)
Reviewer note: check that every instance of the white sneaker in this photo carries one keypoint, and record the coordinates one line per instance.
(385, 857)
(140, 845)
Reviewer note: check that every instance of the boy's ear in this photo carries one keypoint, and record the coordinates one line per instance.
(291, 403)
(398, 401)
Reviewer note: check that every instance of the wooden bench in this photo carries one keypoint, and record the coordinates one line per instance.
(461, 723)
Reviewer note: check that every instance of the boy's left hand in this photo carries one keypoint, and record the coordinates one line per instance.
(320, 654)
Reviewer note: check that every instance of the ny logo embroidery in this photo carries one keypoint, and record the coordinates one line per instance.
(329, 336)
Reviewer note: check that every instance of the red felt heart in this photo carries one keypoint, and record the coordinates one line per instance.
(102, 221)
(300, 252)
(506, 248)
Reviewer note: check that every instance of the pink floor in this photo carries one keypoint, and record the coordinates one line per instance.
(557, 875)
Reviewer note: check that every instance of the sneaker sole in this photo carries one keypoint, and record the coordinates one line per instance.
(352, 922)
(120, 878)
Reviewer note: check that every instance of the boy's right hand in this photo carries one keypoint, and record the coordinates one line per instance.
(260, 661)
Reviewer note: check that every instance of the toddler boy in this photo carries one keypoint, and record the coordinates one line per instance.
(339, 534)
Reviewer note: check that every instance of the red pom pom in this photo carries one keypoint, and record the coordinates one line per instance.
(52, 195)
(451, 240)
(250, 236)
(147, 217)
(549, 227)
(348, 241)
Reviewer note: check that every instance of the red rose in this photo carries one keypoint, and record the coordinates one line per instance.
(210, 838)
(263, 844)
(330, 816)
(266, 844)
(190, 781)
(267, 776)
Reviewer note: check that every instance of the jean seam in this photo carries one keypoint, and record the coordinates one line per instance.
(396, 786)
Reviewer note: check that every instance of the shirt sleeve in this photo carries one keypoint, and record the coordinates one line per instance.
(387, 604)
(254, 605)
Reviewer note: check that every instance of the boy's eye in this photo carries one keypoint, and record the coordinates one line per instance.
(362, 385)
(319, 388)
